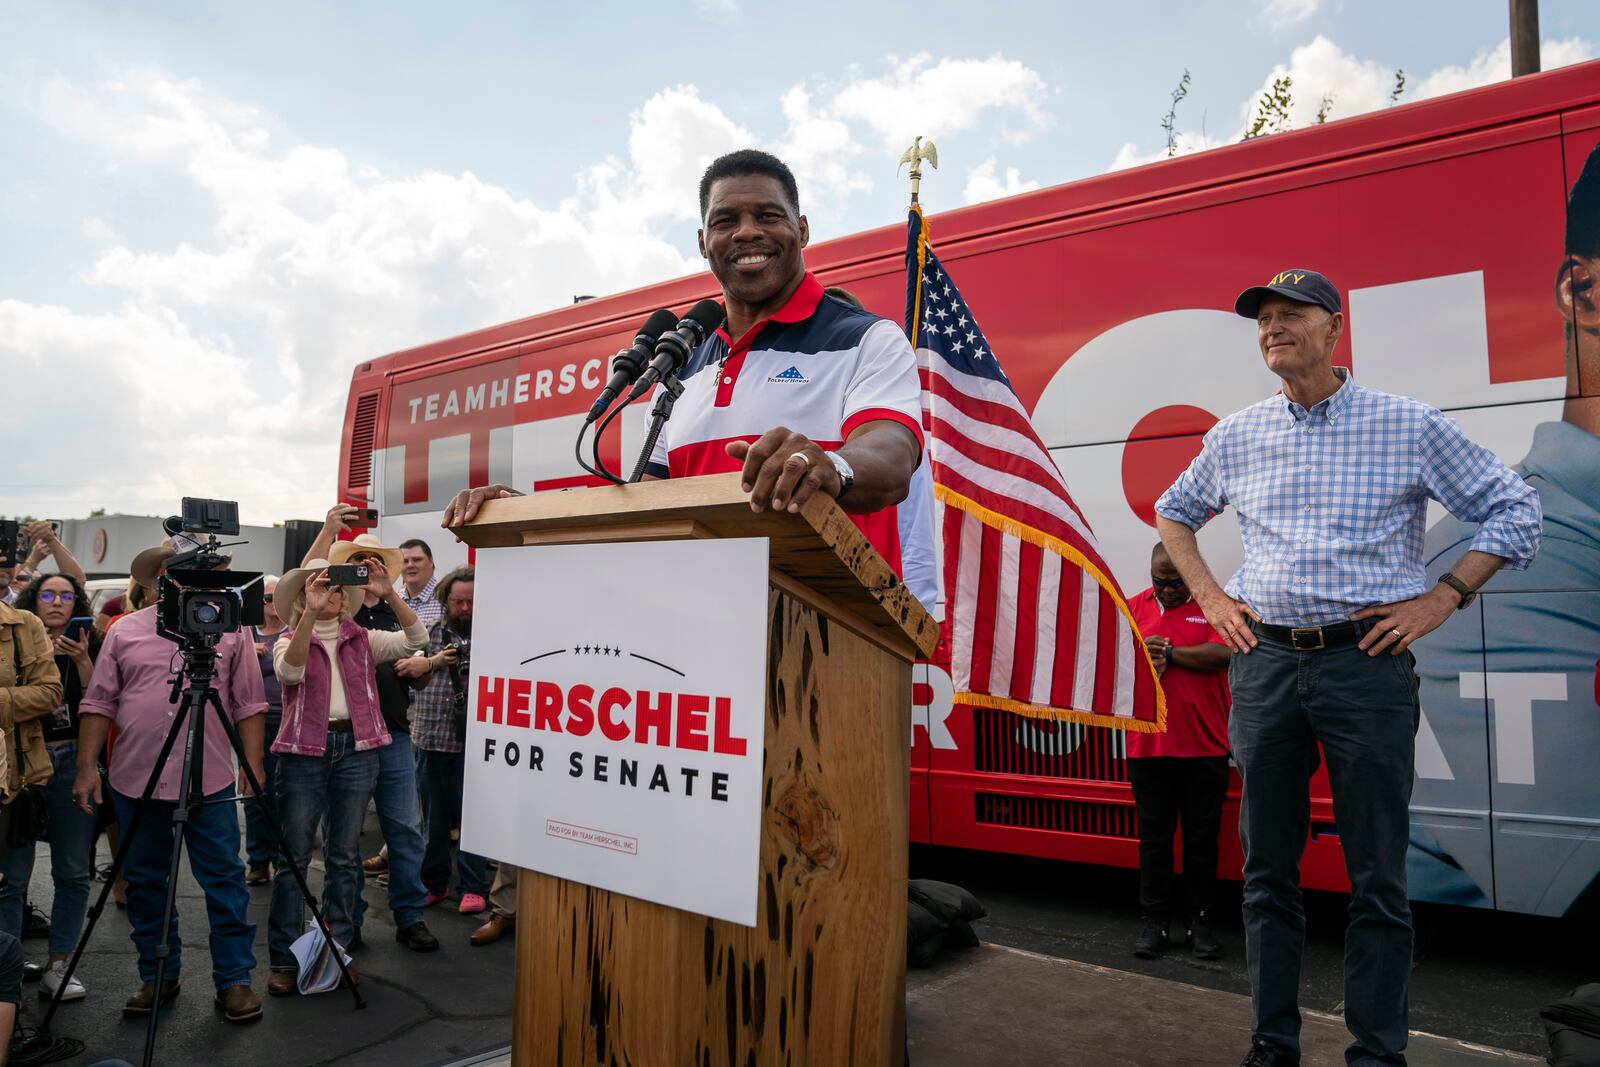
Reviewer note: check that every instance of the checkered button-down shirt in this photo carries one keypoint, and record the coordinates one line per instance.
(425, 604)
(432, 712)
(1332, 501)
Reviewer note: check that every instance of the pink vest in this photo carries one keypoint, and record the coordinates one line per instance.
(304, 731)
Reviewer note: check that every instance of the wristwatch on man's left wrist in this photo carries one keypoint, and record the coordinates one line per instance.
(1461, 588)
(847, 473)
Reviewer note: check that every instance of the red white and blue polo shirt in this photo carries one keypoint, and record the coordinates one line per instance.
(819, 366)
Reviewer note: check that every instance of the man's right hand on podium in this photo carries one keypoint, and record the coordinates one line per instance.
(464, 508)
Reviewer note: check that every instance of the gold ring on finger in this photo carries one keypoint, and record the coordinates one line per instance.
(1396, 632)
(802, 457)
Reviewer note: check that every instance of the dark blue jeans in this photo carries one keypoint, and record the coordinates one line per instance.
(444, 772)
(71, 838)
(211, 840)
(1364, 712)
(258, 844)
(335, 785)
(396, 800)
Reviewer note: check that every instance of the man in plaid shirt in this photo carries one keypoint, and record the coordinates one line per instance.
(1331, 482)
(438, 733)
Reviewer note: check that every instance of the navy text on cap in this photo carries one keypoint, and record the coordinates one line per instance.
(1306, 286)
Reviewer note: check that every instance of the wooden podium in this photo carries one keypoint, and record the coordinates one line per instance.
(602, 978)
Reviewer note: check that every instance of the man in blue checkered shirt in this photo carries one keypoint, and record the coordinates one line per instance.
(1331, 483)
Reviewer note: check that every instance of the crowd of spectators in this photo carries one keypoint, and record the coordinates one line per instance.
(346, 698)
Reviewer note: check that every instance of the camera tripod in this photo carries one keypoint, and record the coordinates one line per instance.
(199, 654)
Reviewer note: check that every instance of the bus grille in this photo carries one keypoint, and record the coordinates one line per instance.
(358, 477)
(1048, 813)
(1005, 743)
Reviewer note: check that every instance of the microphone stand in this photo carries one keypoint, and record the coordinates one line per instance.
(671, 389)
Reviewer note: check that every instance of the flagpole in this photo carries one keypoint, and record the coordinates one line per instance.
(916, 155)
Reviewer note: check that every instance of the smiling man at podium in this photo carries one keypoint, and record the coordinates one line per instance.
(800, 391)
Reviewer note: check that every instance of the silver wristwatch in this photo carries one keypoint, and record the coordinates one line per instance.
(847, 473)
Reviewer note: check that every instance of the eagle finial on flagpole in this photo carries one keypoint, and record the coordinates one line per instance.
(916, 155)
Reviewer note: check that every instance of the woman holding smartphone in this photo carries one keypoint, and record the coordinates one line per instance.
(327, 744)
(61, 604)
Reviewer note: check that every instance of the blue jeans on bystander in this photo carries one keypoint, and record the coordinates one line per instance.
(211, 839)
(396, 800)
(258, 844)
(444, 772)
(335, 786)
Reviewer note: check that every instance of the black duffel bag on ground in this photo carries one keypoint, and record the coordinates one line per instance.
(1572, 1026)
(938, 914)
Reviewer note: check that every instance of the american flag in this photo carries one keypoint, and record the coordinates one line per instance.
(1037, 624)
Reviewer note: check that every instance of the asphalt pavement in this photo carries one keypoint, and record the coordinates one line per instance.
(422, 1008)
(1478, 976)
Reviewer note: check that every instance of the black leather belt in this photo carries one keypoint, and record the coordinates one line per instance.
(340, 726)
(1315, 638)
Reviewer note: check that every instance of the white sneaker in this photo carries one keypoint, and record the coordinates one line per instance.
(52, 981)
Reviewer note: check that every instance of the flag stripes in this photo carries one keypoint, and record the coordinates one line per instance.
(1037, 625)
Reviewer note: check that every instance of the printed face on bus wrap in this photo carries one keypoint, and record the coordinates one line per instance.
(752, 237)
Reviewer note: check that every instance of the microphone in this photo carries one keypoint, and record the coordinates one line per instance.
(672, 351)
(626, 364)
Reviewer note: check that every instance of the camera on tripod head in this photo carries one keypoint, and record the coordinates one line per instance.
(199, 600)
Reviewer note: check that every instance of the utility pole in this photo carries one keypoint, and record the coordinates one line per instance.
(1524, 37)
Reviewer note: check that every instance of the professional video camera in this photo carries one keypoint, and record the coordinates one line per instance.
(198, 599)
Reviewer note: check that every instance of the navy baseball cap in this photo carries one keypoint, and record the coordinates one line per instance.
(1306, 286)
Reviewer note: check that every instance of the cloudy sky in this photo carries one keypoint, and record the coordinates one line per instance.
(210, 212)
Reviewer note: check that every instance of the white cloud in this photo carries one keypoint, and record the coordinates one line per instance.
(1282, 14)
(1132, 155)
(220, 364)
(1321, 72)
(239, 345)
(1494, 64)
(936, 99)
(819, 149)
(984, 183)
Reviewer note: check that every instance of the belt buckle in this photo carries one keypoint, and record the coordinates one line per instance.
(1314, 631)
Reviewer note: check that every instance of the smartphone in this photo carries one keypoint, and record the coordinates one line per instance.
(363, 519)
(347, 574)
(56, 526)
(79, 625)
(10, 550)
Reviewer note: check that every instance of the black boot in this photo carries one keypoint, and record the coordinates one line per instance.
(1202, 942)
(1266, 1054)
(1152, 943)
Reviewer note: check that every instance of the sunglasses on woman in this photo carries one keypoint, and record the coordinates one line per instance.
(50, 596)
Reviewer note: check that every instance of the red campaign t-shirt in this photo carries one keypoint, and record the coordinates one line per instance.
(1197, 701)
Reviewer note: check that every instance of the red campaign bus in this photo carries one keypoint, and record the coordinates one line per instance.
(1108, 301)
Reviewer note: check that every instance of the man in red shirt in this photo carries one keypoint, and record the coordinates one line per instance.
(1183, 773)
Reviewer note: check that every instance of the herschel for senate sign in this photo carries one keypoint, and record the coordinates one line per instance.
(614, 730)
